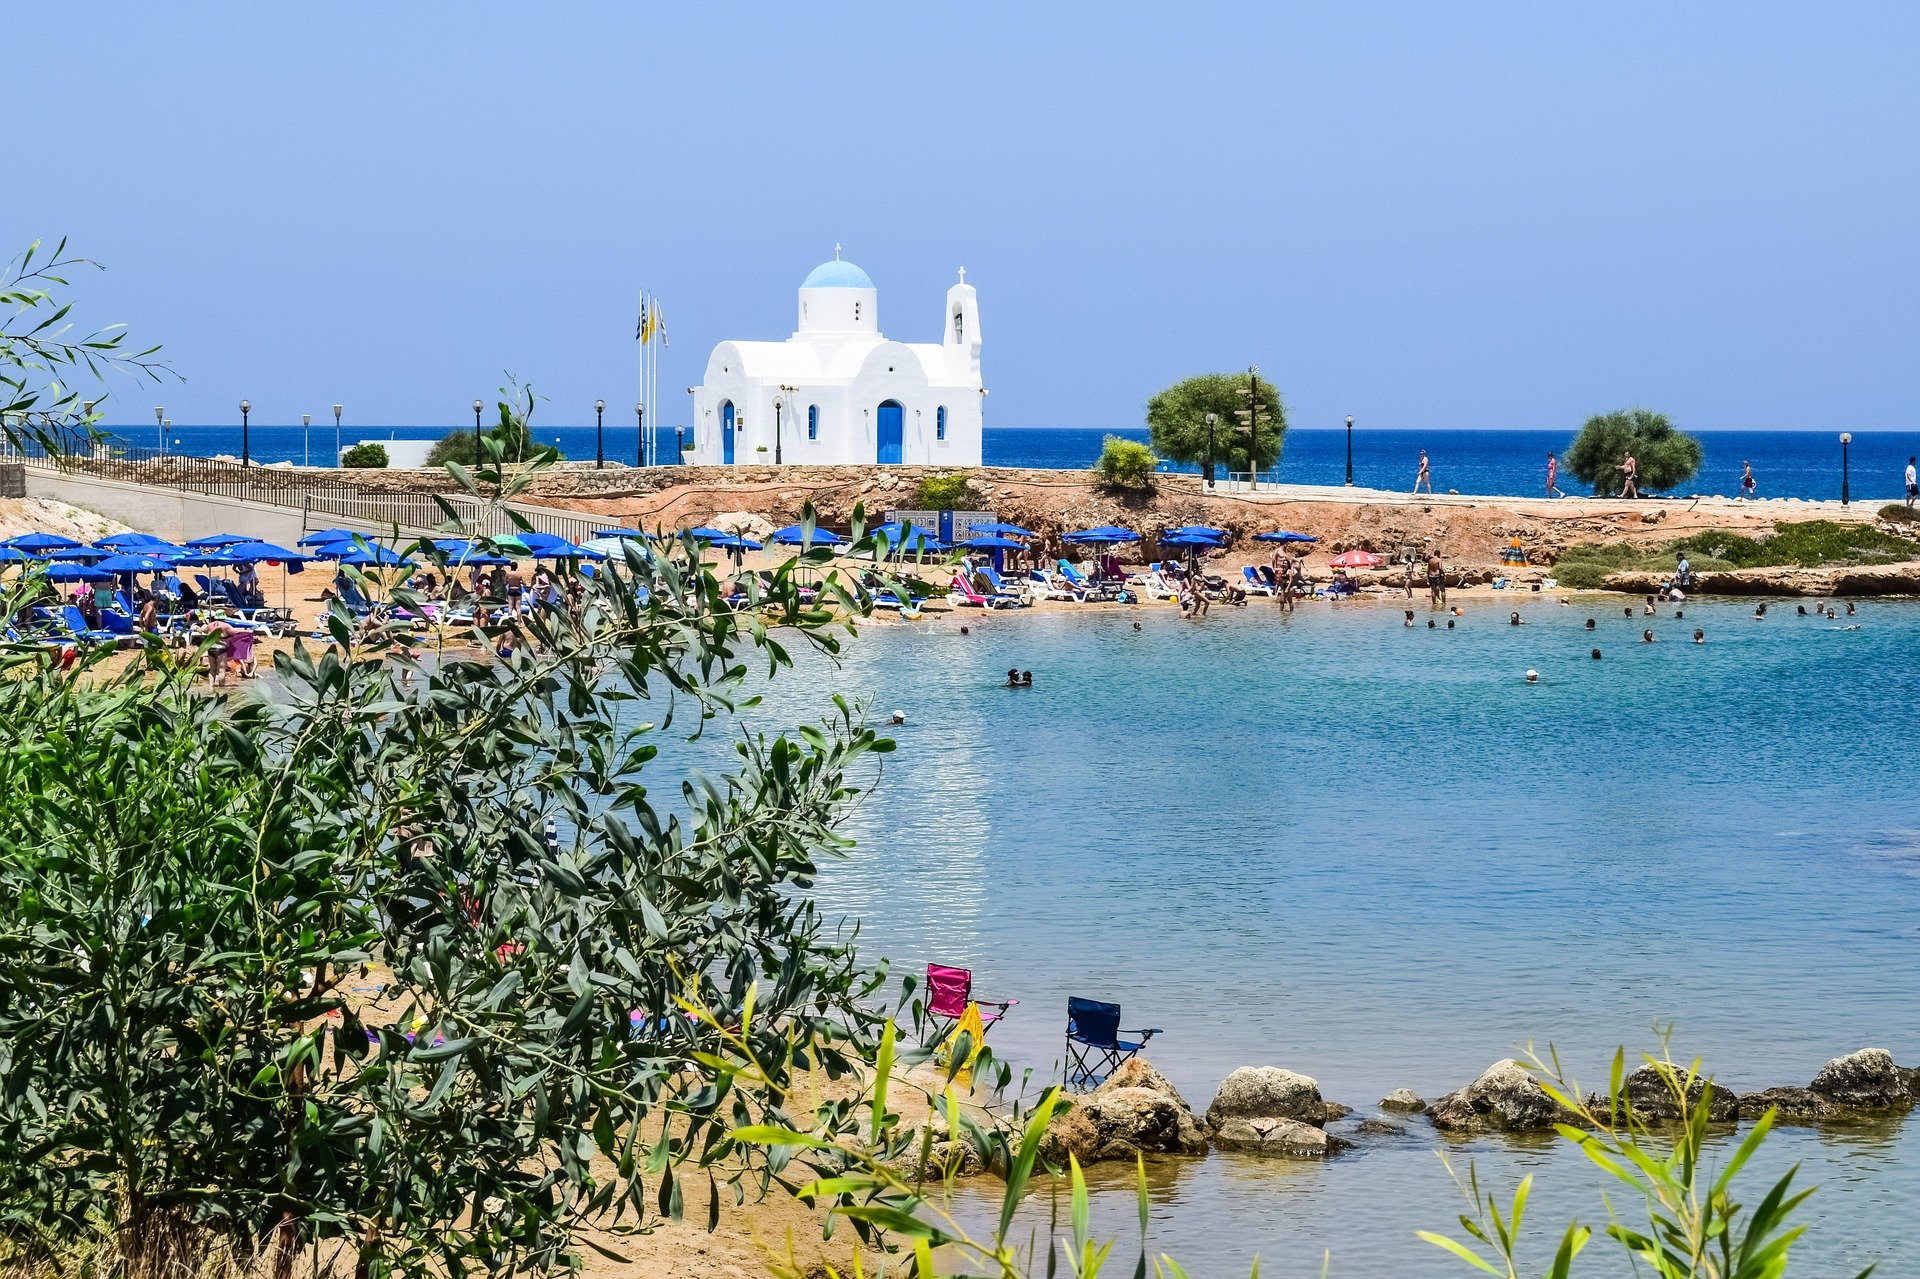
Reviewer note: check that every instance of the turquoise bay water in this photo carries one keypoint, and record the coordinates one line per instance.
(1378, 856)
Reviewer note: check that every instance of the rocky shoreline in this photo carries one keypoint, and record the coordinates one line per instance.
(1267, 1110)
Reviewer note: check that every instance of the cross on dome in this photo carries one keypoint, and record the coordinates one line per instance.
(963, 275)
(836, 250)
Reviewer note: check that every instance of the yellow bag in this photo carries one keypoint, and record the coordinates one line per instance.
(971, 1024)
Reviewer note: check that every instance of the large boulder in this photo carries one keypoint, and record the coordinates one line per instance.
(1649, 1097)
(1791, 1105)
(1136, 1111)
(1269, 1135)
(1865, 1080)
(1506, 1098)
(1268, 1092)
(1403, 1101)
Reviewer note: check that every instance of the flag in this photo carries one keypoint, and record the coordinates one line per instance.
(640, 329)
(660, 323)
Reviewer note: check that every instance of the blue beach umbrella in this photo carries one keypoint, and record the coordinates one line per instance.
(76, 573)
(205, 559)
(566, 550)
(134, 543)
(618, 532)
(8, 555)
(254, 552)
(899, 537)
(133, 562)
(78, 554)
(993, 542)
(794, 535)
(214, 541)
(326, 535)
(1190, 539)
(1195, 530)
(1106, 534)
(997, 529)
(1284, 536)
(703, 533)
(364, 556)
(35, 543)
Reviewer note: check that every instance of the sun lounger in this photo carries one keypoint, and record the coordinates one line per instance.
(1013, 590)
(1049, 586)
(962, 595)
(1255, 584)
(77, 626)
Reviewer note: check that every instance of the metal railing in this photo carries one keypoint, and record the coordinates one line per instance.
(323, 500)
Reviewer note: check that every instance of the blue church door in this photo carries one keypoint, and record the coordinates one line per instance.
(726, 432)
(892, 432)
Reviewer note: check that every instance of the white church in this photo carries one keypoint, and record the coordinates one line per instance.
(838, 391)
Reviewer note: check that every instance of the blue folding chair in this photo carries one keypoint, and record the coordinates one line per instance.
(1094, 1046)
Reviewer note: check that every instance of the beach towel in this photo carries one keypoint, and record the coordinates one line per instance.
(972, 1025)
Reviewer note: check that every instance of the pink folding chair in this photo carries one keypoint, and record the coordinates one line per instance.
(949, 991)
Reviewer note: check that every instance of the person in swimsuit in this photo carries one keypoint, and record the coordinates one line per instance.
(1553, 477)
(1747, 483)
(1629, 476)
(1436, 580)
(1425, 476)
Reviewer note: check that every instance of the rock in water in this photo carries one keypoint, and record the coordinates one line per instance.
(1404, 1101)
(1652, 1100)
(1134, 1112)
(1267, 1092)
(1505, 1098)
(1791, 1105)
(1867, 1080)
(1269, 1135)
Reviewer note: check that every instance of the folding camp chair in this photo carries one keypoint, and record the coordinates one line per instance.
(949, 991)
(1094, 1046)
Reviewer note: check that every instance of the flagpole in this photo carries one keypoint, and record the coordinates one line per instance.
(640, 361)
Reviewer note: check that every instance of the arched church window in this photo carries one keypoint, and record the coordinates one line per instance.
(958, 327)
(940, 423)
(813, 421)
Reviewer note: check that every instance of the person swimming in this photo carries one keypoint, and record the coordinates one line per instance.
(1533, 676)
(1802, 608)
(1699, 637)
(1136, 626)
(1013, 677)
(1449, 623)
(1513, 619)
(1595, 655)
(1408, 623)
(1026, 679)
(1646, 637)
(1589, 623)
(1432, 625)
(1679, 613)
(1760, 611)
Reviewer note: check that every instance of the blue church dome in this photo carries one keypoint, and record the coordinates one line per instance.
(836, 275)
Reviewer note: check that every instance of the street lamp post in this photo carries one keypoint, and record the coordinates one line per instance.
(1846, 438)
(599, 435)
(306, 439)
(640, 435)
(477, 406)
(245, 451)
(1211, 419)
(1253, 427)
(336, 434)
(160, 425)
(1349, 450)
(680, 445)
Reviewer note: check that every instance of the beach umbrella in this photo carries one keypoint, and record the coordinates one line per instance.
(205, 559)
(535, 541)
(76, 573)
(1189, 539)
(256, 552)
(363, 556)
(78, 554)
(616, 532)
(35, 543)
(996, 529)
(993, 542)
(1358, 559)
(133, 562)
(792, 535)
(703, 533)
(1104, 535)
(566, 550)
(1284, 536)
(214, 541)
(326, 535)
(8, 555)
(902, 537)
(136, 543)
(734, 542)
(1195, 530)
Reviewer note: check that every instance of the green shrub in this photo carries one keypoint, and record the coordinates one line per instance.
(1126, 464)
(1583, 575)
(945, 493)
(1899, 513)
(1664, 457)
(1807, 544)
(365, 457)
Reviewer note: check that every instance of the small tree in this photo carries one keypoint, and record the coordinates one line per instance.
(1663, 456)
(944, 492)
(513, 433)
(1126, 464)
(1178, 419)
(368, 457)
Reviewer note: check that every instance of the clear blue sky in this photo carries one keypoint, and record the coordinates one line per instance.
(1425, 214)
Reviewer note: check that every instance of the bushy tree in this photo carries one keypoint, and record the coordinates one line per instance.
(371, 457)
(1663, 456)
(511, 436)
(944, 492)
(1125, 464)
(1178, 419)
(301, 976)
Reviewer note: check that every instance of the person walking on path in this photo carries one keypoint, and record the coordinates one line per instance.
(1425, 476)
(1629, 476)
(1747, 484)
(1913, 484)
(1553, 477)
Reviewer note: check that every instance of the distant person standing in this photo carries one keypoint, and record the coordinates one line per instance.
(1553, 477)
(1913, 484)
(1629, 476)
(1425, 476)
(1436, 580)
(1747, 484)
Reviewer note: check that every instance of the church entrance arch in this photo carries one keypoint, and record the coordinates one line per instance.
(726, 431)
(891, 433)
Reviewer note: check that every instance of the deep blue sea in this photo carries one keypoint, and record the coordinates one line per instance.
(1380, 857)
(1803, 464)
